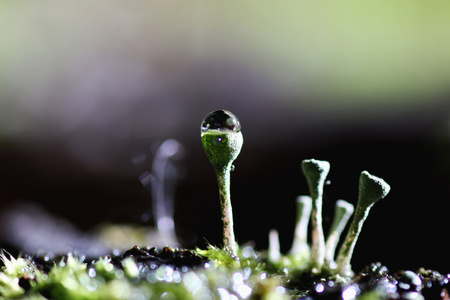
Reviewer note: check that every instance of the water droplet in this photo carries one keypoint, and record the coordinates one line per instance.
(223, 293)
(244, 291)
(319, 288)
(92, 272)
(221, 120)
(248, 251)
(176, 276)
(350, 292)
(151, 278)
(247, 273)
(184, 269)
(238, 278)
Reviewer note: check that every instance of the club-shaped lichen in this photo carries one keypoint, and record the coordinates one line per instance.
(274, 246)
(300, 247)
(371, 189)
(222, 140)
(316, 172)
(342, 213)
(321, 256)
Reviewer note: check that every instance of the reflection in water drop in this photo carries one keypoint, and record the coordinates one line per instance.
(221, 120)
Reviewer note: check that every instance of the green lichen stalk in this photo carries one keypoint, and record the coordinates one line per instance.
(316, 172)
(371, 189)
(222, 141)
(223, 180)
(342, 213)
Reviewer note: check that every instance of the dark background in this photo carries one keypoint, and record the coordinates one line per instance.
(85, 88)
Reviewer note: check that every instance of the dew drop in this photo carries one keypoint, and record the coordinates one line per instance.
(221, 120)
(248, 251)
(350, 292)
(92, 273)
(319, 288)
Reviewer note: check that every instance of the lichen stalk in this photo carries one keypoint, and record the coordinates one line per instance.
(274, 246)
(342, 213)
(222, 140)
(223, 181)
(316, 172)
(346, 251)
(371, 190)
(300, 245)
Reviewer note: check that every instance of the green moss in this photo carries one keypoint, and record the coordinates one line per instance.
(71, 278)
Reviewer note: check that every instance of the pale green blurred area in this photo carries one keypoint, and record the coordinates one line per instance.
(67, 63)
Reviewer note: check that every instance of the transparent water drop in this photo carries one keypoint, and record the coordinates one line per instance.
(221, 120)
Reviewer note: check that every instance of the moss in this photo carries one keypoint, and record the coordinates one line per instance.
(72, 278)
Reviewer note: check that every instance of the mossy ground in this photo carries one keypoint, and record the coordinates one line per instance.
(211, 274)
(131, 277)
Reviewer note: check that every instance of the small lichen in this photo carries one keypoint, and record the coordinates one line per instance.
(342, 213)
(371, 189)
(316, 172)
(222, 140)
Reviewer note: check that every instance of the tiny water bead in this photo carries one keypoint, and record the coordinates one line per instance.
(222, 140)
(221, 120)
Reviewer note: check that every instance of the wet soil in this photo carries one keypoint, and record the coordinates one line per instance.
(151, 256)
(374, 278)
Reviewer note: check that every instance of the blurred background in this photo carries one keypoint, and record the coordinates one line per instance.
(89, 90)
